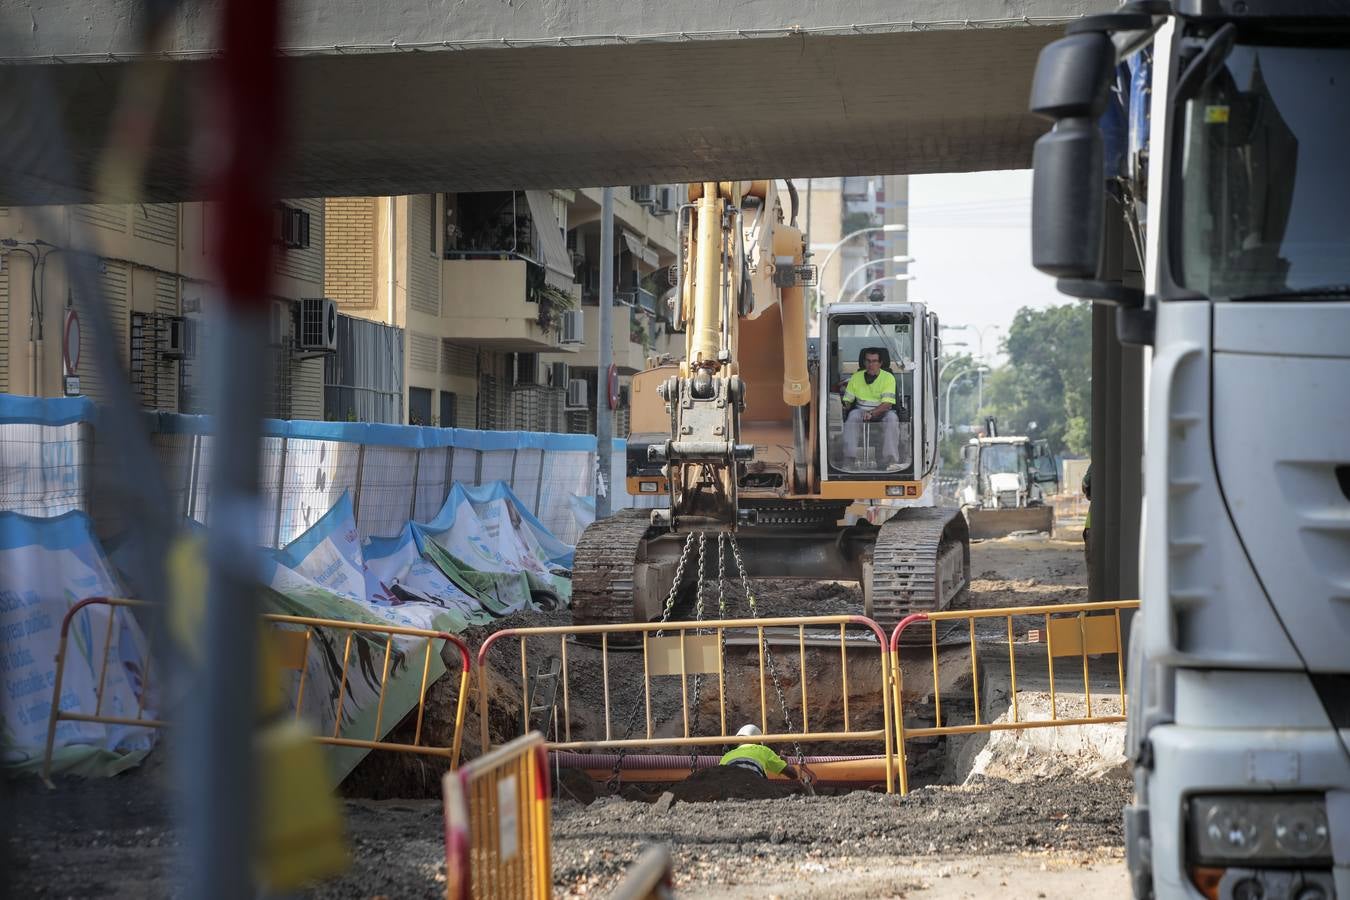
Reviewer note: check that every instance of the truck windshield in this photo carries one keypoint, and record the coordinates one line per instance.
(1265, 190)
(999, 458)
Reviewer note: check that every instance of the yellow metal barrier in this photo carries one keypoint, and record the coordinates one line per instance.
(1069, 629)
(498, 840)
(650, 878)
(291, 641)
(685, 649)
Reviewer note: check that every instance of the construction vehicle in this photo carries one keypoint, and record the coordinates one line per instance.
(1005, 483)
(746, 435)
(1231, 190)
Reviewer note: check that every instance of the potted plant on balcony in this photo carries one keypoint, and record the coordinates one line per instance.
(552, 300)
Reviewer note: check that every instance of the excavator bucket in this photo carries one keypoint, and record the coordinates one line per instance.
(995, 523)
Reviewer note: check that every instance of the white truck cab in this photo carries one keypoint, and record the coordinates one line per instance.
(1231, 125)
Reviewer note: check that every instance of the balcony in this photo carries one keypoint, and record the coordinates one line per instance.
(493, 302)
(633, 340)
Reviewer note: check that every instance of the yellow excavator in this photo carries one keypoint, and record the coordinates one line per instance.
(749, 436)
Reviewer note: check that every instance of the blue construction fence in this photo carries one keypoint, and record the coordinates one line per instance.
(55, 457)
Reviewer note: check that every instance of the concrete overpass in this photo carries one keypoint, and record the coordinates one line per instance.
(397, 98)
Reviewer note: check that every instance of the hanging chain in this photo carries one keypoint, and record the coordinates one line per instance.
(615, 779)
(768, 651)
(721, 634)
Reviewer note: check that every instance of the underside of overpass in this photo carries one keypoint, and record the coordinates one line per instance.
(386, 100)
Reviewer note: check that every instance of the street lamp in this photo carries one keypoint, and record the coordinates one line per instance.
(874, 282)
(947, 417)
(872, 262)
(893, 227)
(979, 339)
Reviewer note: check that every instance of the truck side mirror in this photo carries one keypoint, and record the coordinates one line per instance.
(1073, 76)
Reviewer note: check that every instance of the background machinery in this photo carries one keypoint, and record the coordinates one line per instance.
(746, 434)
(1196, 179)
(1005, 485)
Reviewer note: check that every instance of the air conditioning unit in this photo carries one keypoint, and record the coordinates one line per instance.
(557, 374)
(573, 329)
(318, 325)
(665, 201)
(276, 323)
(577, 394)
(176, 339)
(644, 194)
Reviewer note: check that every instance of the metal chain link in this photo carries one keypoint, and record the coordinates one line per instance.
(721, 635)
(768, 652)
(615, 779)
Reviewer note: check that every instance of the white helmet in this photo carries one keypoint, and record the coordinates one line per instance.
(749, 731)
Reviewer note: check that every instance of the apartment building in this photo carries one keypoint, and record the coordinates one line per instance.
(834, 208)
(155, 282)
(497, 293)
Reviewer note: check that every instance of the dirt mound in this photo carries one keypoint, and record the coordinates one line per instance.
(1036, 754)
(730, 782)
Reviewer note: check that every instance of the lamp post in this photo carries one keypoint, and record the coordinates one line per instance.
(947, 416)
(892, 228)
(871, 262)
(979, 340)
(874, 282)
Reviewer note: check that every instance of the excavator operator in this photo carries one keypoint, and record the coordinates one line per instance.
(870, 397)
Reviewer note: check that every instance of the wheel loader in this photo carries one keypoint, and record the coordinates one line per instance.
(749, 438)
(1005, 485)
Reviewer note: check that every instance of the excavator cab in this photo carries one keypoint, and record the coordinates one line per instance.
(882, 444)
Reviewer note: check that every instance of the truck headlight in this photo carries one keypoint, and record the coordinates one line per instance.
(895, 490)
(1259, 829)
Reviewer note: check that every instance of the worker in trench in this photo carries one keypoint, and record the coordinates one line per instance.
(761, 760)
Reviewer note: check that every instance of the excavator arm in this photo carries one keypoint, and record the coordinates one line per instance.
(727, 269)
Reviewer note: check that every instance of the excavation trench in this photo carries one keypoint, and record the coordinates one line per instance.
(1009, 573)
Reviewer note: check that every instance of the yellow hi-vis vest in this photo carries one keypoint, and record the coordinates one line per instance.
(868, 396)
(767, 761)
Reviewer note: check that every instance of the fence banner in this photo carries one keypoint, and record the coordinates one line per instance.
(408, 586)
(488, 530)
(47, 565)
(322, 574)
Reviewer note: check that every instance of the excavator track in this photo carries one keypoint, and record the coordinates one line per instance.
(603, 568)
(920, 563)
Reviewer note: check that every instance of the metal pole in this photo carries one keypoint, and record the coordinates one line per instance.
(604, 417)
(950, 385)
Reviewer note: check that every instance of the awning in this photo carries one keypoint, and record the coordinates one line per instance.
(640, 251)
(548, 234)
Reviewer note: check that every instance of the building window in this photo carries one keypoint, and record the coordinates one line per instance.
(527, 368)
(449, 411)
(434, 226)
(419, 406)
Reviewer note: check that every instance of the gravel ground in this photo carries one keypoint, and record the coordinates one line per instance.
(109, 839)
(1059, 837)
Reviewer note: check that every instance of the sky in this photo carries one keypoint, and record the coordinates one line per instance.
(970, 236)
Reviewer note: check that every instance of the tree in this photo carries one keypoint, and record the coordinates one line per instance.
(1045, 390)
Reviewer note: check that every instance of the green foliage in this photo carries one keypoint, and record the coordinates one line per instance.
(552, 300)
(856, 221)
(1045, 390)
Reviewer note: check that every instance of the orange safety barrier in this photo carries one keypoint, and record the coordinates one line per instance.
(1069, 629)
(695, 648)
(498, 824)
(292, 637)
